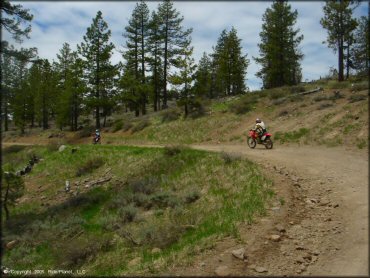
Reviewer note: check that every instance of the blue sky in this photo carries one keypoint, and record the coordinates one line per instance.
(58, 22)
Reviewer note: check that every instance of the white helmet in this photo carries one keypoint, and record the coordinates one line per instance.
(258, 120)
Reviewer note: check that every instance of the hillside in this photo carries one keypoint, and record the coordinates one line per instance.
(322, 118)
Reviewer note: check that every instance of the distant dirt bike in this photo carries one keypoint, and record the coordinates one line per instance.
(254, 139)
(96, 140)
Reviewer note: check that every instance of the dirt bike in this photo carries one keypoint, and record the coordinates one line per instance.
(254, 139)
(96, 140)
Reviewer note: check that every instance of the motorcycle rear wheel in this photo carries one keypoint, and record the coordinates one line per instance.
(268, 144)
(251, 142)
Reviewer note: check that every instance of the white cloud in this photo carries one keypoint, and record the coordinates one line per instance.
(58, 22)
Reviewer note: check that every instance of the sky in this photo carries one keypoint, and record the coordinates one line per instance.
(66, 21)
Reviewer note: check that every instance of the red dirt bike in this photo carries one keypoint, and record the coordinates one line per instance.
(254, 139)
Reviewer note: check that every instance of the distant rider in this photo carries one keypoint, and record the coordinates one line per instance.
(97, 135)
(260, 128)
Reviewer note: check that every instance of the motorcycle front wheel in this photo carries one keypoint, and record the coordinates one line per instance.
(268, 143)
(251, 142)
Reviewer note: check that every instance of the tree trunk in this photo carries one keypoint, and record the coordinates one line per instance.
(347, 62)
(340, 60)
(164, 105)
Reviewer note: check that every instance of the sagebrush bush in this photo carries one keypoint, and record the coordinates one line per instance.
(360, 86)
(89, 166)
(243, 105)
(169, 115)
(191, 196)
(320, 98)
(172, 150)
(160, 235)
(87, 131)
(118, 125)
(355, 98)
(230, 157)
(165, 199)
(127, 214)
(279, 101)
(325, 105)
(140, 125)
(339, 85)
(146, 185)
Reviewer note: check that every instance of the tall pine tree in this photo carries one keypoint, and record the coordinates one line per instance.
(339, 23)
(279, 48)
(96, 51)
(172, 37)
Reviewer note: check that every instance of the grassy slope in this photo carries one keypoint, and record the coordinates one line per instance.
(178, 200)
(319, 118)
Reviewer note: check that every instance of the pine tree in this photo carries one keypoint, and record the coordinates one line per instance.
(17, 16)
(69, 70)
(229, 63)
(279, 53)
(96, 51)
(184, 78)
(203, 77)
(137, 33)
(20, 102)
(172, 37)
(339, 23)
(155, 61)
(361, 49)
(12, 189)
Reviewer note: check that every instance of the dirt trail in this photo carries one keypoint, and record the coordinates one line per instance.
(330, 202)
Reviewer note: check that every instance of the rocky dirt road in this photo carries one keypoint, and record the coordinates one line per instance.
(321, 228)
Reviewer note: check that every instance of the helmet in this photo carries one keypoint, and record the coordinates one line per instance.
(97, 130)
(258, 120)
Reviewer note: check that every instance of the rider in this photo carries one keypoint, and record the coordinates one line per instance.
(97, 135)
(260, 128)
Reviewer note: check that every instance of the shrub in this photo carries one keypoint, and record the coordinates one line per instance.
(165, 199)
(244, 104)
(230, 157)
(325, 105)
(160, 235)
(126, 126)
(277, 93)
(360, 86)
(297, 89)
(79, 250)
(140, 125)
(296, 98)
(169, 115)
(121, 199)
(283, 113)
(89, 166)
(355, 98)
(146, 185)
(339, 85)
(279, 101)
(142, 200)
(320, 98)
(13, 149)
(191, 197)
(196, 108)
(85, 132)
(336, 95)
(127, 214)
(172, 150)
(118, 125)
